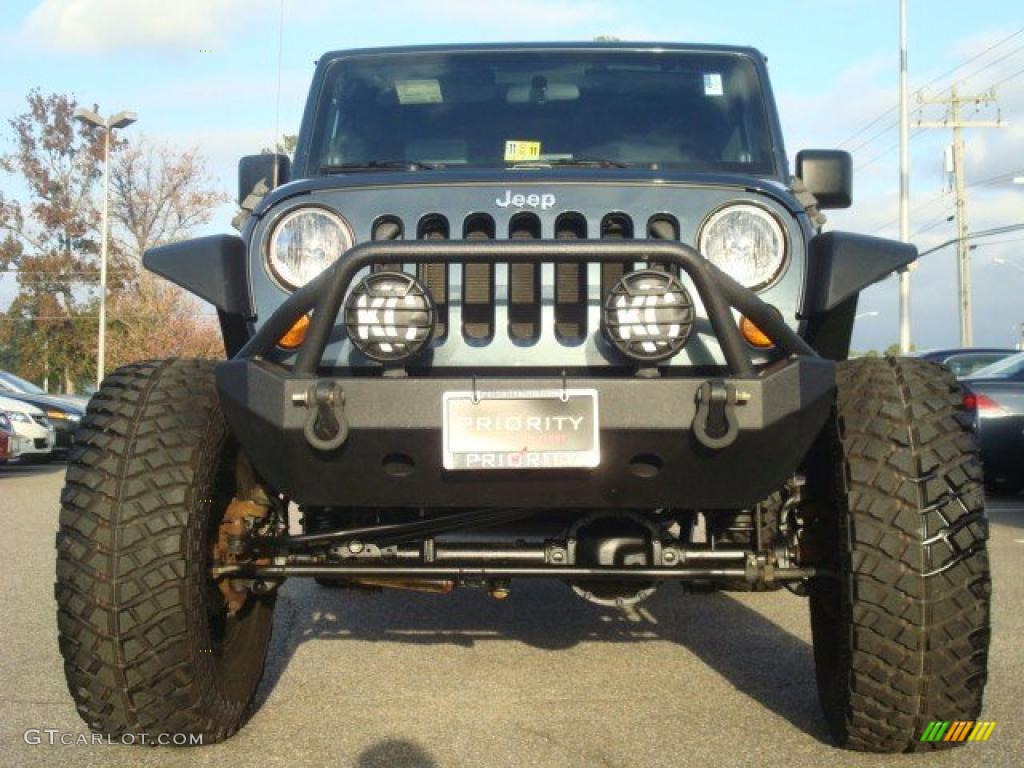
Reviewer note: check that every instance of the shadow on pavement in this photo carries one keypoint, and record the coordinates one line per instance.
(20, 469)
(396, 753)
(755, 655)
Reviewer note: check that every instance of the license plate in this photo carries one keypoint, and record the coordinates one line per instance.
(529, 429)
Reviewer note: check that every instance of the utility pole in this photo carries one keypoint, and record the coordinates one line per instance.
(904, 184)
(954, 104)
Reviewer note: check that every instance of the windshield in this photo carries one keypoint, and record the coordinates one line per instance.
(13, 383)
(1010, 368)
(691, 111)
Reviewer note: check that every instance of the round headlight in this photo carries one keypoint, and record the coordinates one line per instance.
(390, 316)
(648, 315)
(304, 243)
(746, 242)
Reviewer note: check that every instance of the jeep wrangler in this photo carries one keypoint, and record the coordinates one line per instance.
(529, 311)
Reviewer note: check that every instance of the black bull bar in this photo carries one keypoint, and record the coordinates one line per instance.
(324, 295)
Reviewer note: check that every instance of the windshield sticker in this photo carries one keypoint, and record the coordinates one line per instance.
(713, 84)
(418, 91)
(517, 151)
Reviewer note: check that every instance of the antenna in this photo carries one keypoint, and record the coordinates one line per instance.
(277, 100)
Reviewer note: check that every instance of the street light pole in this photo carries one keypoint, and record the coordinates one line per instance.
(120, 120)
(101, 344)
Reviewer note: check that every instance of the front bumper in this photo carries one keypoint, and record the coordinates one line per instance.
(36, 441)
(393, 454)
(650, 452)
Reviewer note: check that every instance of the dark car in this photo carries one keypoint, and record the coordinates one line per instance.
(64, 411)
(996, 394)
(573, 294)
(964, 361)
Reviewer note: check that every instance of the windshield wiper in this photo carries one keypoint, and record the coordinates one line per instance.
(379, 165)
(575, 162)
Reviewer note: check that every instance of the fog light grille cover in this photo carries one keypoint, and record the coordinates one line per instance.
(390, 316)
(648, 315)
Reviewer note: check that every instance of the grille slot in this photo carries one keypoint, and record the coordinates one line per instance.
(614, 226)
(388, 228)
(524, 283)
(571, 283)
(435, 275)
(663, 226)
(478, 283)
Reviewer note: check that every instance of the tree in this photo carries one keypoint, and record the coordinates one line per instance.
(49, 239)
(893, 350)
(157, 320)
(285, 145)
(159, 195)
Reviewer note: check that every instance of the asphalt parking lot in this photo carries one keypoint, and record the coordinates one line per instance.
(398, 680)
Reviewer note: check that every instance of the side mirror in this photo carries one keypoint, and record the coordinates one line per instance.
(272, 170)
(828, 175)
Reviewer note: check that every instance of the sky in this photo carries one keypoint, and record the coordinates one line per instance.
(205, 73)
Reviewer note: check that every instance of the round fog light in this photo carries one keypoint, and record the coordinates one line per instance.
(648, 315)
(390, 316)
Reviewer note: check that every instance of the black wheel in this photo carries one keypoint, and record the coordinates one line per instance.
(901, 638)
(148, 643)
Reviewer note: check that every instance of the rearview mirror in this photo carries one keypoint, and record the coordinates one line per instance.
(272, 170)
(828, 175)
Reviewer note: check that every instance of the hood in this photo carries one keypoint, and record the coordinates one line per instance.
(18, 406)
(534, 176)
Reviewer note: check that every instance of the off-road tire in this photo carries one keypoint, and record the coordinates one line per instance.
(901, 638)
(147, 644)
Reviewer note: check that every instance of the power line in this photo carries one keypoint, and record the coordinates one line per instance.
(1001, 242)
(978, 71)
(992, 232)
(934, 80)
(929, 227)
(920, 206)
(885, 152)
(1016, 74)
(998, 177)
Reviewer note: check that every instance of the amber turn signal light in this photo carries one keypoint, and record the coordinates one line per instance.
(295, 335)
(754, 335)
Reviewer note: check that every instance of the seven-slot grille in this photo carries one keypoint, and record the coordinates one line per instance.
(479, 290)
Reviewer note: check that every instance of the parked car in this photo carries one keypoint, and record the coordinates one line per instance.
(965, 361)
(31, 424)
(9, 442)
(996, 395)
(64, 411)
